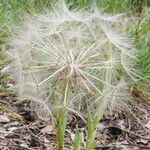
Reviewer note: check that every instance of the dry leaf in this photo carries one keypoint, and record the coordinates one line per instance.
(4, 119)
(47, 129)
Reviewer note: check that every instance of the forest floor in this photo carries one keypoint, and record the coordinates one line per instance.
(22, 129)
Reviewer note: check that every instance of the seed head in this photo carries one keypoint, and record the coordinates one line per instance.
(72, 59)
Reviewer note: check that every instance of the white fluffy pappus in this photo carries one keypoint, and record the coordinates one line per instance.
(71, 59)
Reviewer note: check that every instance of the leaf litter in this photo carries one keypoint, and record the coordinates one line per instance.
(117, 130)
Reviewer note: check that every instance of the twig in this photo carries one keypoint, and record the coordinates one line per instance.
(103, 146)
(100, 146)
(146, 138)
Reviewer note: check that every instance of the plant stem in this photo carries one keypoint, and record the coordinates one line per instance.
(91, 131)
(61, 126)
(77, 141)
(62, 119)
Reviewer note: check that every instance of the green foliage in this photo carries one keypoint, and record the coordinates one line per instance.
(115, 5)
(61, 127)
(77, 140)
(91, 131)
(112, 5)
(80, 4)
(139, 5)
(141, 32)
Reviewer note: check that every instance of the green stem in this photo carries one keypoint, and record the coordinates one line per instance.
(62, 119)
(91, 131)
(61, 127)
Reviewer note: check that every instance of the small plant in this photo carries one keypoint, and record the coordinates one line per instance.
(91, 131)
(61, 127)
(77, 140)
(77, 61)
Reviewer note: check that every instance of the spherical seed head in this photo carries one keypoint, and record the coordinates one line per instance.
(71, 59)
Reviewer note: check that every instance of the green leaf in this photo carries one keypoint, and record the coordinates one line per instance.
(61, 127)
(77, 140)
(91, 131)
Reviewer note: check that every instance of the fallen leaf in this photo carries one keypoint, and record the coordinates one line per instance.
(3, 94)
(148, 125)
(4, 119)
(47, 129)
